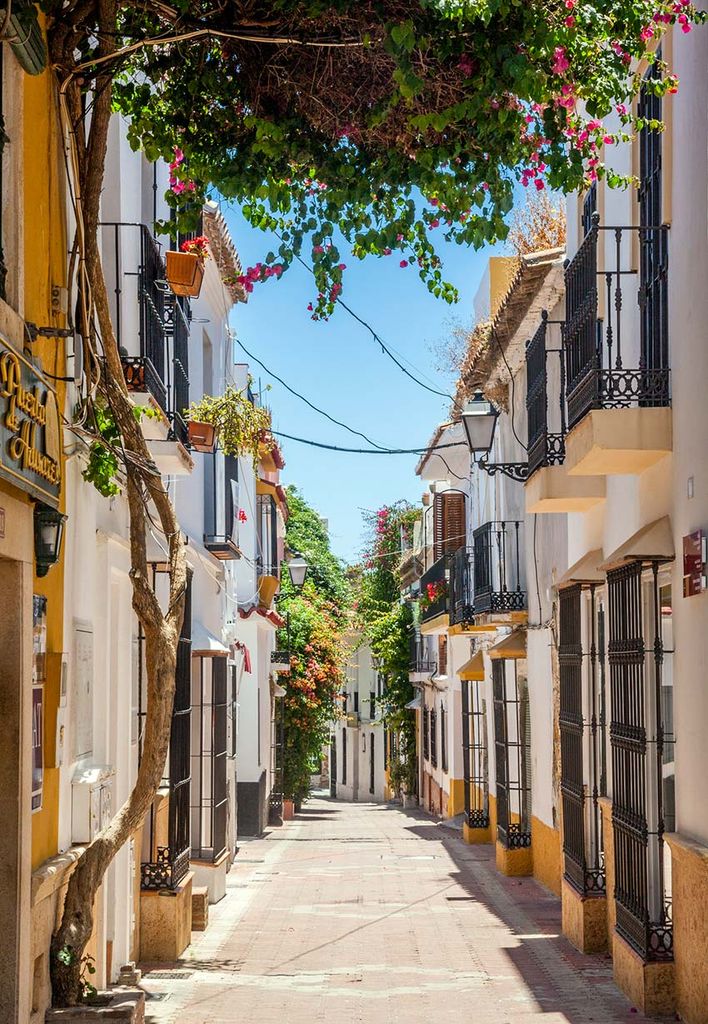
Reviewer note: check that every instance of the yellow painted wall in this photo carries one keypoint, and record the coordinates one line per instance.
(545, 841)
(45, 248)
(501, 272)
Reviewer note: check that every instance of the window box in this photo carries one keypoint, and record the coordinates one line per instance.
(185, 273)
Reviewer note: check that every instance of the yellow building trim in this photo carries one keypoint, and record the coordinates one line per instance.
(689, 884)
(439, 623)
(514, 863)
(456, 797)
(45, 248)
(546, 844)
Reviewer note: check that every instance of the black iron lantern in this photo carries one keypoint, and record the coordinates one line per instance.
(48, 532)
(297, 568)
(480, 419)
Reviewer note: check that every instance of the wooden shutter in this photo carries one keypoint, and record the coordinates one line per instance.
(448, 523)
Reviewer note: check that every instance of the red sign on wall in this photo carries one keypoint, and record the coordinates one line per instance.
(694, 559)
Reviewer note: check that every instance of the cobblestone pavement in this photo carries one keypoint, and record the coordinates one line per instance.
(368, 913)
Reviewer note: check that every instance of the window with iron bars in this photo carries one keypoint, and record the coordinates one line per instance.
(640, 650)
(443, 738)
(426, 732)
(474, 754)
(582, 734)
(512, 742)
(209, 754)
(433, 737)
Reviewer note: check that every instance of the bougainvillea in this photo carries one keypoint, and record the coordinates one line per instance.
(318, 619)
(378, 123)
(387, 626)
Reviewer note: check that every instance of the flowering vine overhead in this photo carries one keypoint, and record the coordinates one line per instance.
(385, 123)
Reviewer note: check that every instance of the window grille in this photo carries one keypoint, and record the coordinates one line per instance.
(426, 733)
(637, 744)
(512, 741)
(209, 796)
(164, 867)
(443, 738)
(474, 754)
(581, 723)
(344, 756)
(372, 764)
(433, 737)
(267, 536)
(653, 249)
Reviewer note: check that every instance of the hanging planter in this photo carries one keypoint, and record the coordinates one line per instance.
(185, 269)
(201, 436)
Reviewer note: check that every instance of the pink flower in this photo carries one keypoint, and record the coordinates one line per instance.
(403, 263)
(435, 223)
(621, 109)
(310, 306)
(178, 155)
(485, 186)
(342, 266)
(608, 140)
(278, 269)
(685, 28)
(178, 188)
(646, 34)
(570, 4)
(399, 238)
(317, 250)
(539, 184)
(433, 201)
(560, 61)
(569, 21)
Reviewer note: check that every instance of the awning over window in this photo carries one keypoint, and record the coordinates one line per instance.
(512, 646)
(415, 704)
(653, 543)
(206, 644)
(585, 570)
(474, 668)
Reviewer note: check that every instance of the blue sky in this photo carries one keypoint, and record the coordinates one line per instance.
(338, 366)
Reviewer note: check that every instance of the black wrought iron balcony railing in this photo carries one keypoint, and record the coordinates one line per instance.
(497, 567)
(609, 363)
(162, 367)
(421, 658)
(461, 588)
(435, 589)
(545, 378)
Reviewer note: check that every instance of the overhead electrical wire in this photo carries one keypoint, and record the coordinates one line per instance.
(368, 451)
(302, 398)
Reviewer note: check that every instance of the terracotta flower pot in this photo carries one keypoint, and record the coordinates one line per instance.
(201, 436)
(288, 810)
(185, 273)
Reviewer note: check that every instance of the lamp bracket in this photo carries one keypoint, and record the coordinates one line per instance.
(518, 471)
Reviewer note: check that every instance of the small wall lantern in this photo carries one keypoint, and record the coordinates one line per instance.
(48, 533)
(297, 568)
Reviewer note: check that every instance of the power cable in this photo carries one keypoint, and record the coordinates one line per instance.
(367, 451)
(306, 400)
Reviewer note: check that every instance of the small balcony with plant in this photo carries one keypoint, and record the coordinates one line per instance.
(434, 596)
(156, 370)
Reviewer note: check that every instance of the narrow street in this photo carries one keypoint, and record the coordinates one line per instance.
(367, 913)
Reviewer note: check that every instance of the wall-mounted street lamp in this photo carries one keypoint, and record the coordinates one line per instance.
(48, 532)
(479, 418)
(297, 569)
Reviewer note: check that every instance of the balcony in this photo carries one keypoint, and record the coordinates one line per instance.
(221, 521)
(549, 487)
(422, 661)
(280, 661)
(434, 590)
(497, 575)
(461, 594)
(157, 377)
(615, 340)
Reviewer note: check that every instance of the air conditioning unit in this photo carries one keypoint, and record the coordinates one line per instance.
(91, 801)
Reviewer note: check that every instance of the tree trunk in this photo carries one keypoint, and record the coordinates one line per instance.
(161, 629)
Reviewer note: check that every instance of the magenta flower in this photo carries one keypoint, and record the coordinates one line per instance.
(403, 263)
(560, 61)
(569, 21)
(646, 34)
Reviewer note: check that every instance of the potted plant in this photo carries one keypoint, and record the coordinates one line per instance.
(235, 422)
(201, 436)
(185, 268)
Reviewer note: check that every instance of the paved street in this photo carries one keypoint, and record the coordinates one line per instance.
(367, 913)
